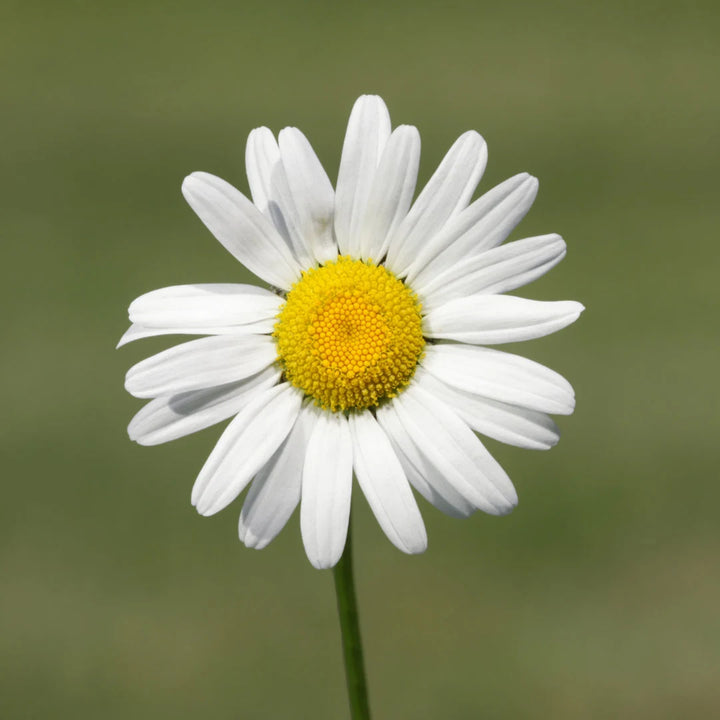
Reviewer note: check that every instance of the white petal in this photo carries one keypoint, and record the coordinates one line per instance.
(483, 225)
(367, 132)
(495, 319)
(383, 482)
(271, 191)
(275, 492)
(204, 305)
(241, 228)
(200, 364)
(140, 332)
(447, 192)
(454, 449)
(506, 423)
(261, 154)
(248, 442)
(391, 193)
(496, 271)
(173, 416)
(500, 376)
(326, 489)
(312, 191)
(422, 474)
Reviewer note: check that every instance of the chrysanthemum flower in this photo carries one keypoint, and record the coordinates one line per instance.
(366, 354)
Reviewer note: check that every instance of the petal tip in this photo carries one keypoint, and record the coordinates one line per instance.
(323, 563)
(206, 509)
(369, 97)
(511, 499)
(249, 540)
(190, 185)
(418, 546)
(192, 178)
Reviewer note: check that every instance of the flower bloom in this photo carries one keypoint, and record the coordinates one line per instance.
(367, 353)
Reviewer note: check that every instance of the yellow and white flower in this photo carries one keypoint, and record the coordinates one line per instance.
(366, 354)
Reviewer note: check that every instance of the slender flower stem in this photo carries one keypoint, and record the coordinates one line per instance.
(350, 629)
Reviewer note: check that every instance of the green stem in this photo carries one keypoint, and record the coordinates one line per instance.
(350, 629)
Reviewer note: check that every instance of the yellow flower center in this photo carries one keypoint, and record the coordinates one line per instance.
(349, 334)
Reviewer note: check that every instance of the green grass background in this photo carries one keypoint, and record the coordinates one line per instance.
(597, 598)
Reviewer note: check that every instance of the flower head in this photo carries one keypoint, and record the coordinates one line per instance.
(367, 353)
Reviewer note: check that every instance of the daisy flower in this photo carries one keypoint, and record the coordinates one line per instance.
(367, 353)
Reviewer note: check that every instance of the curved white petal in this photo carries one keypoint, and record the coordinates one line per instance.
(248, 442)
(140, 332)
(173, 416)
(200, 364)
(495, 319)
(481, 226)
(206, 305)
(241, 228)
(367, 132)
(453, 448)
(385, 486)
(271, 191)
(506, 423)
(499, 270)
(275, 491)
(447, 192)
(326, 488)
(422, 474)
(390, 195)
(312, 192)
(261, 154)
(500, 376)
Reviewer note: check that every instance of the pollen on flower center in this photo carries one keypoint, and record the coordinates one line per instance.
(349, 334)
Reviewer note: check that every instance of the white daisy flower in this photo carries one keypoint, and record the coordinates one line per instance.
(367, 353)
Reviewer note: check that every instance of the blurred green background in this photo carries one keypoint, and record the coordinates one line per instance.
(597, 598)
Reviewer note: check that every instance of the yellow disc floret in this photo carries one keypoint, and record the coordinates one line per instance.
(349, 334)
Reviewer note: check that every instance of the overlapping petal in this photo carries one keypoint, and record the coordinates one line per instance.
(275, 491)
(483, 225)
(390, 194)
(272, 194)
(326, 488)
(499, 270)
(312, 192)
(199, 364)
(384, 484)
(173, 416)
(204, 305)
(367, 133)
(248, 442)
(420, 472)
(452, 448)
(496, 319)
(500, 376)
(241, 228)
(506, 423)
(140, 332)
(447, 192)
